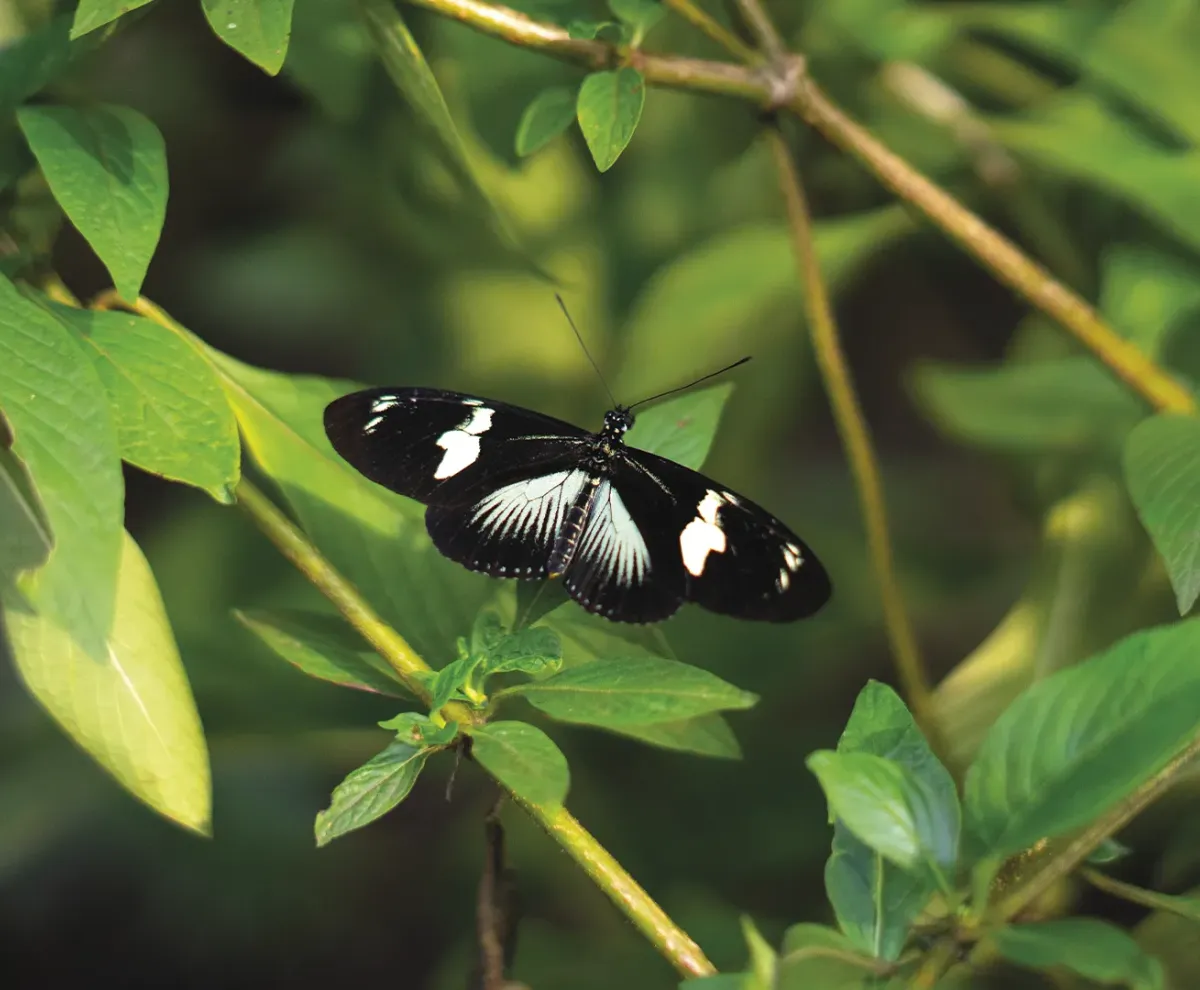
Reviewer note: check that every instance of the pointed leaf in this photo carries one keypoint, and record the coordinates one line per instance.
(57, 408)
(170, 411)
(524, 759)
(131, 709)
(1087, 946)
(609, 108)
(257, 29)
(551, 112)
(1077, 742)
(1162, 470)
(91, 14)
(107, 167)
(325, 647)
(632, 691)
(420, 730)
(681, 429)
(371, 791)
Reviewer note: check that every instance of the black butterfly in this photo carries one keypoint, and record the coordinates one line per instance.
(517, 494)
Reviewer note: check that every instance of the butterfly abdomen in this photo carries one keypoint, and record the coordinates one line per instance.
(568, 537)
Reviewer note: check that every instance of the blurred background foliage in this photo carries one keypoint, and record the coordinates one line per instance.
(313, 227)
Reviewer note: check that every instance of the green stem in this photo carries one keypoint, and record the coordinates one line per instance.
(717, 31)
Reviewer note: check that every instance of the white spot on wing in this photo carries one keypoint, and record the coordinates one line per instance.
(703, 535)
(529, 510)
(791, 556)
(783, 580)
(372, 424)
(384, 403)
(462, 443)
(612, 541)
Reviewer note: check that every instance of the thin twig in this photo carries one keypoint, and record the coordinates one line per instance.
(855, 437)
(763, 29)
(715, 30)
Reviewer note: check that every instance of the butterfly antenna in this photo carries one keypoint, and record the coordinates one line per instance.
(672, 391)
(578, 336)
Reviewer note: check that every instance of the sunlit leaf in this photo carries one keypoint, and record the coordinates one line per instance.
(609, 107)
(681, 429)
(551, 112)
(258, 29)
(371, 791)
(524, 759)
(91, 14)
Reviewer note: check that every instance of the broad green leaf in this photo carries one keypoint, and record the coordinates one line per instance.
(681, 429)
(1162, 470)
(551, 112)
(31, 61)
(371, 791)
(706, 735)
(632, 691)
(524, 759)
(25, 538)
(257, 29)
(376, 539)
(640, 15)
(1146, 51)
(889, 808)
(91, 14)
(57, 408)
(815, 956)
(609, 108)
(447, 682)
(1147, 293)
(1077, 742)
(170, 411)
(417, 729)
(708, 304)
(1075, 135)
(325, 647)
(1092, 948)
(876, 902)
(530, 651)
(1062, 405)
(107, 167)
(131, 708)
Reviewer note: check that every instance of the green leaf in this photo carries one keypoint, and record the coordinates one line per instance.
(31, 61)
(1183, 905)
(132, 708)
(416, 729)
(107, 167)
(530, 651)
(448, 681)
(889, 808)
(706, 735)
(551, 112)
(1109, 851)
(524, 759)
(1077, 742)
(682, 429)
(1162, 470)
(815, 956)
(709, 303)
(25, 538)
(170, 411)
(874, 901)
(257, 29)
(588, 30)
(376, 539)
(324, 647)
(56, 405)
(762, 957)
(1062, 405)
(1092, 948)
(91, 14)
(632, 691)
(371, 791)
(640, 15)
(1075, 135)
(609, 108)
(1147, 293)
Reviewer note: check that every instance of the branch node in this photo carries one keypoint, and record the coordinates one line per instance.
(784, 78)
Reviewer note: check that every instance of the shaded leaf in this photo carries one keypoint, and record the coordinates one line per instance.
(1183, 905)
(524, 759)
(31, 61)
(1147, 293)
(551, 112)
(371, 791)
(1109, 851)
(706, 735)
(417, 729)
(1087, 946)
(257, 29)
(609, 108)
(530, 651)
(57, 408)
(324, 647)
(1162, 470)
(818, 956)
(91, 14)
(640, 15)
(681, 429)
(447, 682)
(107, 167)
(589, 30)
(131, 709)
(25, 538)
(1077, 742)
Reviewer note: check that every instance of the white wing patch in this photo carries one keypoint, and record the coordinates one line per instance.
(791, 556)
(612, 541)
(703, 535)
(531, 510)
(461, 444)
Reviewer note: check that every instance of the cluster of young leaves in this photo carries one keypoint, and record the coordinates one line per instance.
(608, 104)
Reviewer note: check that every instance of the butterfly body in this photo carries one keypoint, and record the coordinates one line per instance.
(513, 493)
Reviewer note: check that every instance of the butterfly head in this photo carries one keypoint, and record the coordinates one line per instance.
(617, 421)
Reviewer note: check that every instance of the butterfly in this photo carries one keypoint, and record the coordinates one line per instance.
(516, 494)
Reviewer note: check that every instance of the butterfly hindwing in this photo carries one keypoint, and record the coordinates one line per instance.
(736, 558)
(421, 441)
